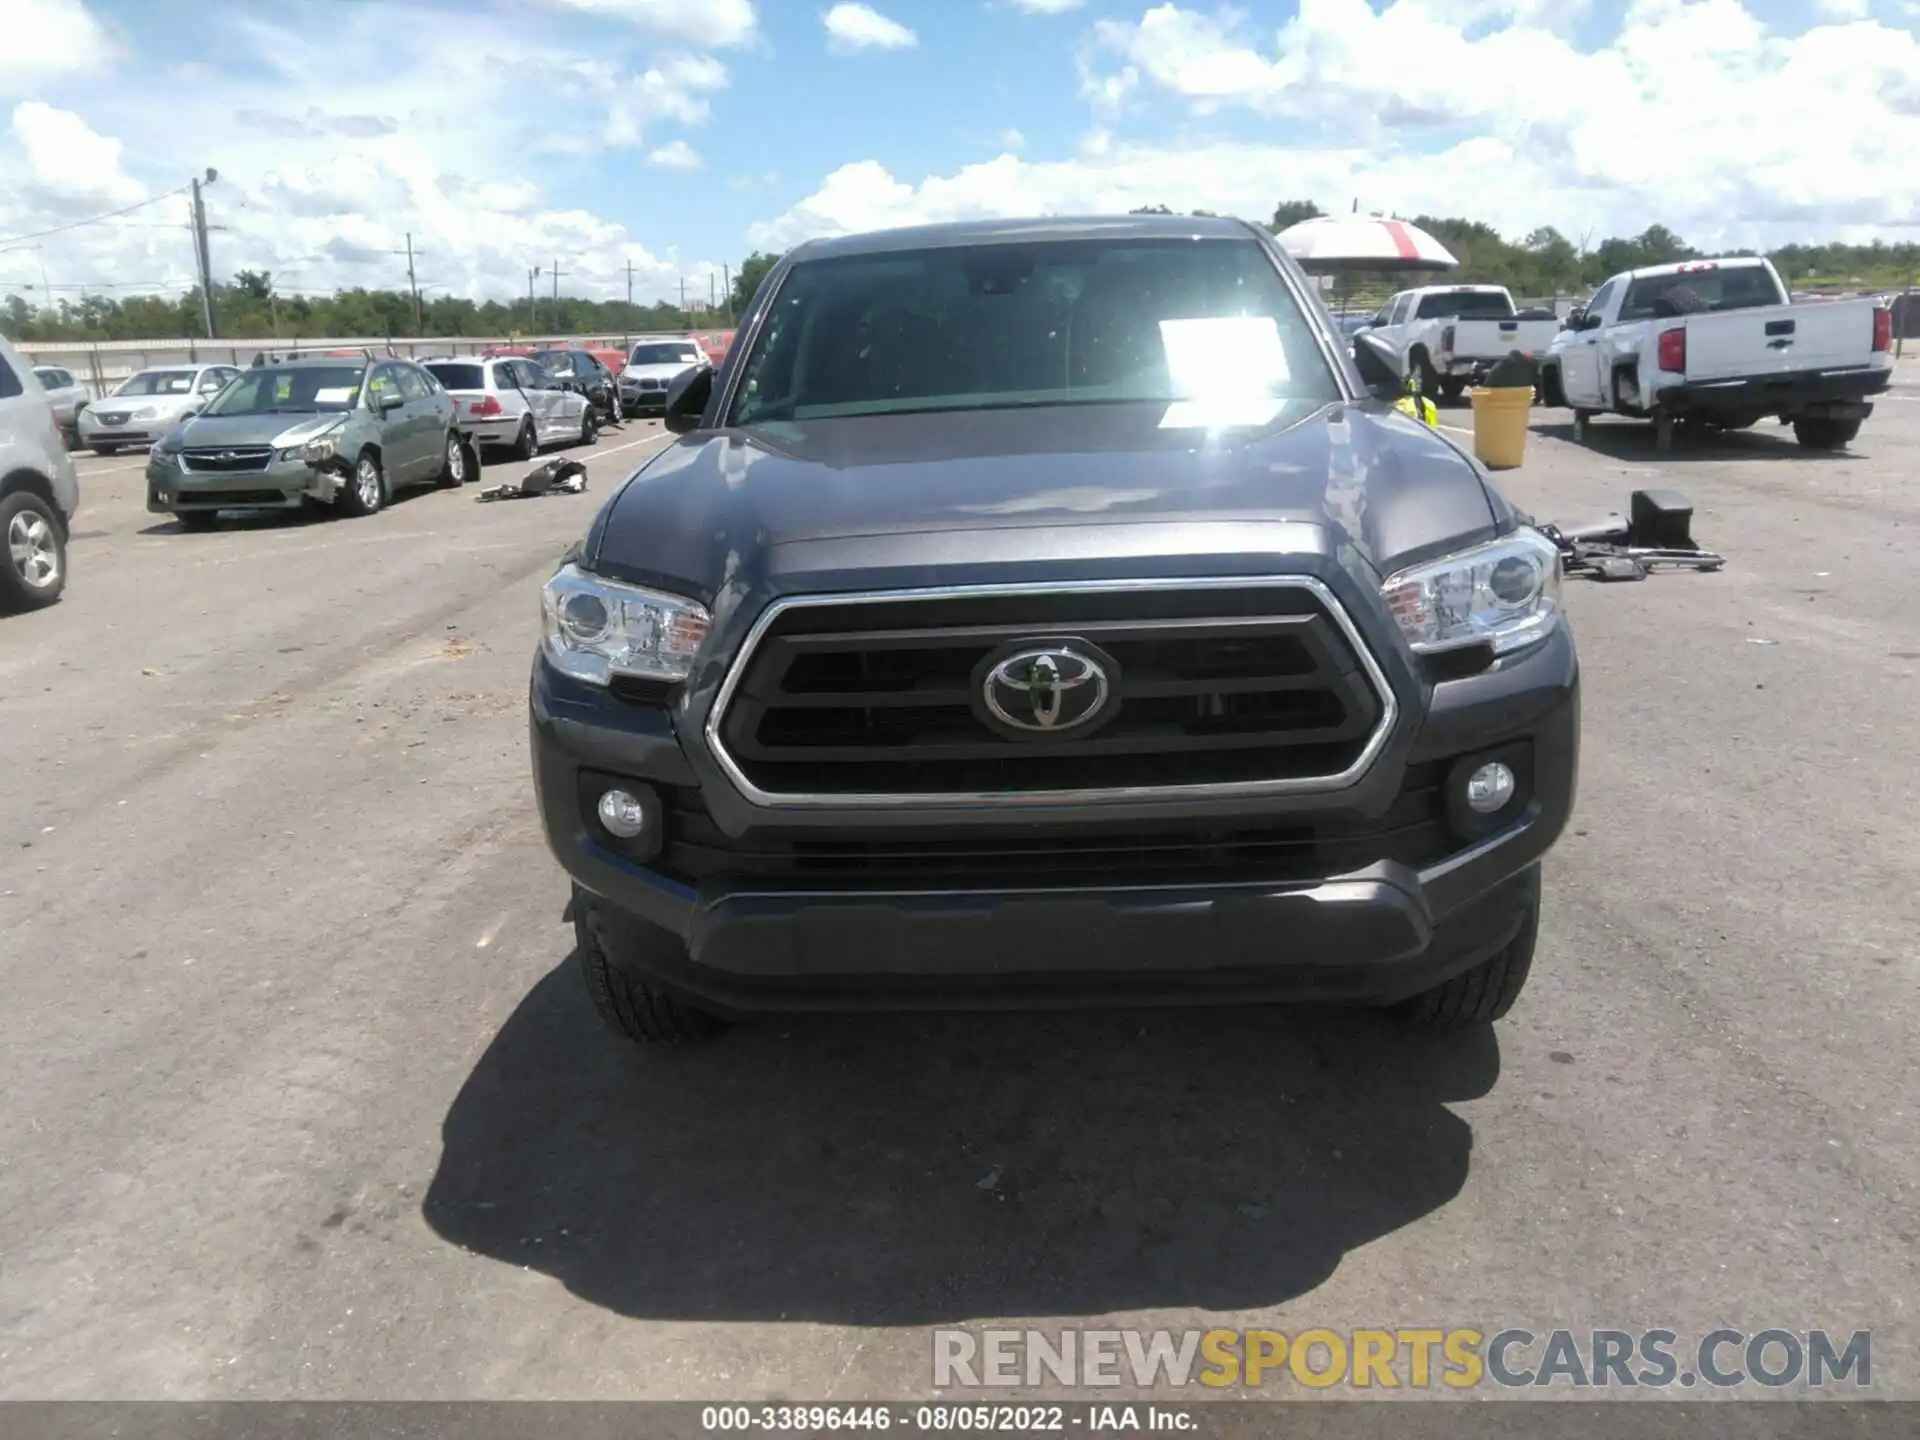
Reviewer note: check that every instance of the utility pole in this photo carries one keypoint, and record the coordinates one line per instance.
(413, 286)
(533, 315)
(556, 291)
(713, 302)
(683, 295)
(726, 275)
(629, 285)
(202, 256)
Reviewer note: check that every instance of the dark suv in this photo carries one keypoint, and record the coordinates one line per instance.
(1045, 612)
(582, 371)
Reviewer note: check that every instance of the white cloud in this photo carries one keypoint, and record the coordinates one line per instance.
(674, 155)
(1844, 9)
(861, 27)
(336, 138)
(1695, 116)
(1046, 7)
(48, 38)
(1012, 140)
(718, 23)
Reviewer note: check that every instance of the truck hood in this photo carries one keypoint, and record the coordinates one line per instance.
(1385, 487)
(279, 431)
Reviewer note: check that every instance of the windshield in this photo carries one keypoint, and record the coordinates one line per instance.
(665, 355)
(158, 382)
(1663, 297)
(295, 390)
(458, 377)
(1466, 305)
(1081, 322)
(556, 362)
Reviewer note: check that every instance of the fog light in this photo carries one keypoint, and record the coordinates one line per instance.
(1488, 788)
(626, 817)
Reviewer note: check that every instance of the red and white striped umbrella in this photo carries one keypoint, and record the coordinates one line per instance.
(1328, 244)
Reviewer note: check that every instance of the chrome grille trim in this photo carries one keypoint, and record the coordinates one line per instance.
(1290, 785)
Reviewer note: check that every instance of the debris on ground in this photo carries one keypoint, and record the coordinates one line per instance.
(556, 477)
(1658, 531)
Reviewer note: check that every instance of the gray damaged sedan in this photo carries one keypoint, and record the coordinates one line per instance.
(340, 432)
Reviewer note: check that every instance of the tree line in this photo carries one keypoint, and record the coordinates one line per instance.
(1544, 263)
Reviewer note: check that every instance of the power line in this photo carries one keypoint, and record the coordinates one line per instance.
(95, 219)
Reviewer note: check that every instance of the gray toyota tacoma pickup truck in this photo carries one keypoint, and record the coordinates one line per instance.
(1051, 612)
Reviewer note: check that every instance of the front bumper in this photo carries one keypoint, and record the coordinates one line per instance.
(636, 401)
(283, 485)
(92, 430)
(1377, 932)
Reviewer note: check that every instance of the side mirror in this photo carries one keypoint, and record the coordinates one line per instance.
(1379, 367)
(1576, 318)
(687, 398)
(392, 400)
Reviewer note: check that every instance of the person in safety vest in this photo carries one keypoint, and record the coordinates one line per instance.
(1417, 405)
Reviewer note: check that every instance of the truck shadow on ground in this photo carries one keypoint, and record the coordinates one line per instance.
(886, 1170)
(1629, 440)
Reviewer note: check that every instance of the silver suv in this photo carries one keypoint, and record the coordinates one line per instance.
(38, 490)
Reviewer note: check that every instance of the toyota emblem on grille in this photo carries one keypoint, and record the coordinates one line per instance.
(1048, 689)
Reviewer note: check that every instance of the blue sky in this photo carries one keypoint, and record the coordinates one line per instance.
(502, 132)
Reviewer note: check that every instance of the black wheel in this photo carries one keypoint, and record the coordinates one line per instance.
(196, 521)
(1483, 993)
(589, 426)
(104, 450)
(1424, 372)
(1551, 393)
(454, 462)
(33, 569)
(1825, 434)
(1452, 387)
(526, 444)
(365, 490)
(628, 1005)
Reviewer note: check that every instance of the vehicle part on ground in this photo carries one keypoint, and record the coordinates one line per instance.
(556, 477)
(1657, 533)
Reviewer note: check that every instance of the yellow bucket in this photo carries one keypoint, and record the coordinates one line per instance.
(1500, 426)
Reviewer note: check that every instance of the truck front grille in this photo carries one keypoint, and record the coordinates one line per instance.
(1256, 685)
(1412, 832)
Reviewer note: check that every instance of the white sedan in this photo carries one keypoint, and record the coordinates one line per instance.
(511, 401)
(145, 406)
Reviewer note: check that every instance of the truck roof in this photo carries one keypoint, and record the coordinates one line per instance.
(1687, 267)
(1014, 232)
(1456, 290)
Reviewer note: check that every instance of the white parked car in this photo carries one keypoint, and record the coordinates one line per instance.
(64, 392)
(512, 402)
(145, 406)
(652, 365)
(38, 490)
(1448, 336)
(1719, 343)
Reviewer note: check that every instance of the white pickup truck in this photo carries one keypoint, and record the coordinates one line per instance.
(1718, 343)
(1448, 336)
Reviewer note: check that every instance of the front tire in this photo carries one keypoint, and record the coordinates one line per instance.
(105, 450)
(627, 1005)
(1452, 388)
(1821, 433)
(1428, 377)
(33, 568)
(1484, 993)
(589, 426)
(366, 488)
(196, 522)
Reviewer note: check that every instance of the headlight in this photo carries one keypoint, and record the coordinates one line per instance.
(313, 452)
(1506, 594)
(596, 629)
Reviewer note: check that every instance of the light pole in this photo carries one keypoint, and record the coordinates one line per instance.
(202, 258)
